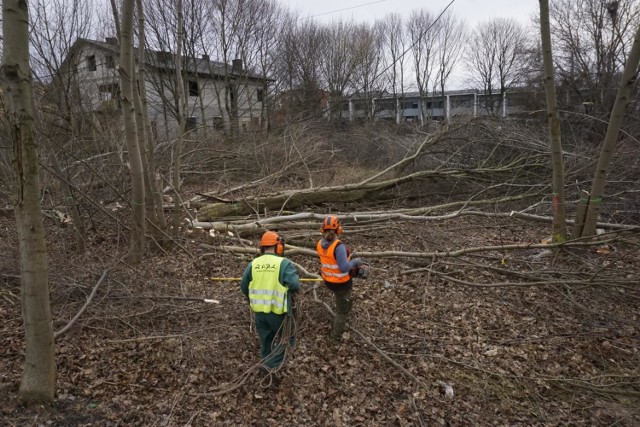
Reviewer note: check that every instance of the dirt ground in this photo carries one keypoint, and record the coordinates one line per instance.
(150, 351)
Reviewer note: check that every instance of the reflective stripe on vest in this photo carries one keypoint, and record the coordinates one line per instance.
(266, 293)
(329, 265)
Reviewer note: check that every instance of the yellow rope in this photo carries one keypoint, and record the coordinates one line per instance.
(234, 279)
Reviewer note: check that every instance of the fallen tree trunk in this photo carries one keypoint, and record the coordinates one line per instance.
(338, 194)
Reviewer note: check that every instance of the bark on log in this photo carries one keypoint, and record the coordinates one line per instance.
(339, 194)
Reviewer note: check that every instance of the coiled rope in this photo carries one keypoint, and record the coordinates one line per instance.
(283, 344)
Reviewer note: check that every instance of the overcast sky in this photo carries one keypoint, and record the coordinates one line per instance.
(472, 11)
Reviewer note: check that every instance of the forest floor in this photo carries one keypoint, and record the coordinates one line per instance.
(149, 351)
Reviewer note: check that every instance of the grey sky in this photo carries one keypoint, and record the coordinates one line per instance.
(472, 11)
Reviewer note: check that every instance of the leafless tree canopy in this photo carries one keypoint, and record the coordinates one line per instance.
(495, 56)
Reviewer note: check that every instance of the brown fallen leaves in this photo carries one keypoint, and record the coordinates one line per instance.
(552, 355)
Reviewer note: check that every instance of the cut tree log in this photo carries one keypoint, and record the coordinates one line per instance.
(293, 199)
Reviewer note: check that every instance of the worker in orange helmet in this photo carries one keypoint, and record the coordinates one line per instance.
(268, 282)
(338, 269)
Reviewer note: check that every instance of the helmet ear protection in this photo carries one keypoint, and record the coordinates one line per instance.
(280, 246)
(271, 238)
(331, 223)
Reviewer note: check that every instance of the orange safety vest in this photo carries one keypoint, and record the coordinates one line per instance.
(329, 265)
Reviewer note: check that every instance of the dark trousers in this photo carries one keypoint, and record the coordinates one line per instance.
(271, 351)
(343, 308)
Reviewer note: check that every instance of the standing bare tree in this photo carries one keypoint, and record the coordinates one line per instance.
(423, 47)
(394, 43)
(57, 24)
(38, 378)
(182, 111)
(338, 61)
(495, 58)
(146, 139)
(592, 39)
(299, 67)
(226, 18)
(127, 81)
(627, 83)
(367, 77)
(450, 39)
(273, 18)
(559, 231)
(160, 36)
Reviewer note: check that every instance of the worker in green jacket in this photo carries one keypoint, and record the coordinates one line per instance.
(268, 282)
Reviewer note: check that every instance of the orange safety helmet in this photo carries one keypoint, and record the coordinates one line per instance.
(331, 223)
(271, 238)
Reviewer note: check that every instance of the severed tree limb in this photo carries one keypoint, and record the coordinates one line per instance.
(245, 186)
(167, 297)
(96, 204)
(433, 139)
(9, 297)
(84, 307)
(342, 193)
(261, 223)
(294, 250)
(428, 142)
(152, 337)
(460, 204)
(607, 282)
(426, 285)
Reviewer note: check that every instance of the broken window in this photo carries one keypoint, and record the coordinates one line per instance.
(194, 90)
(260, 95)
(109, 96)
(91, 63)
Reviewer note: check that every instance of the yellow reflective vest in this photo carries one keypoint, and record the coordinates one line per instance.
(266, 293)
